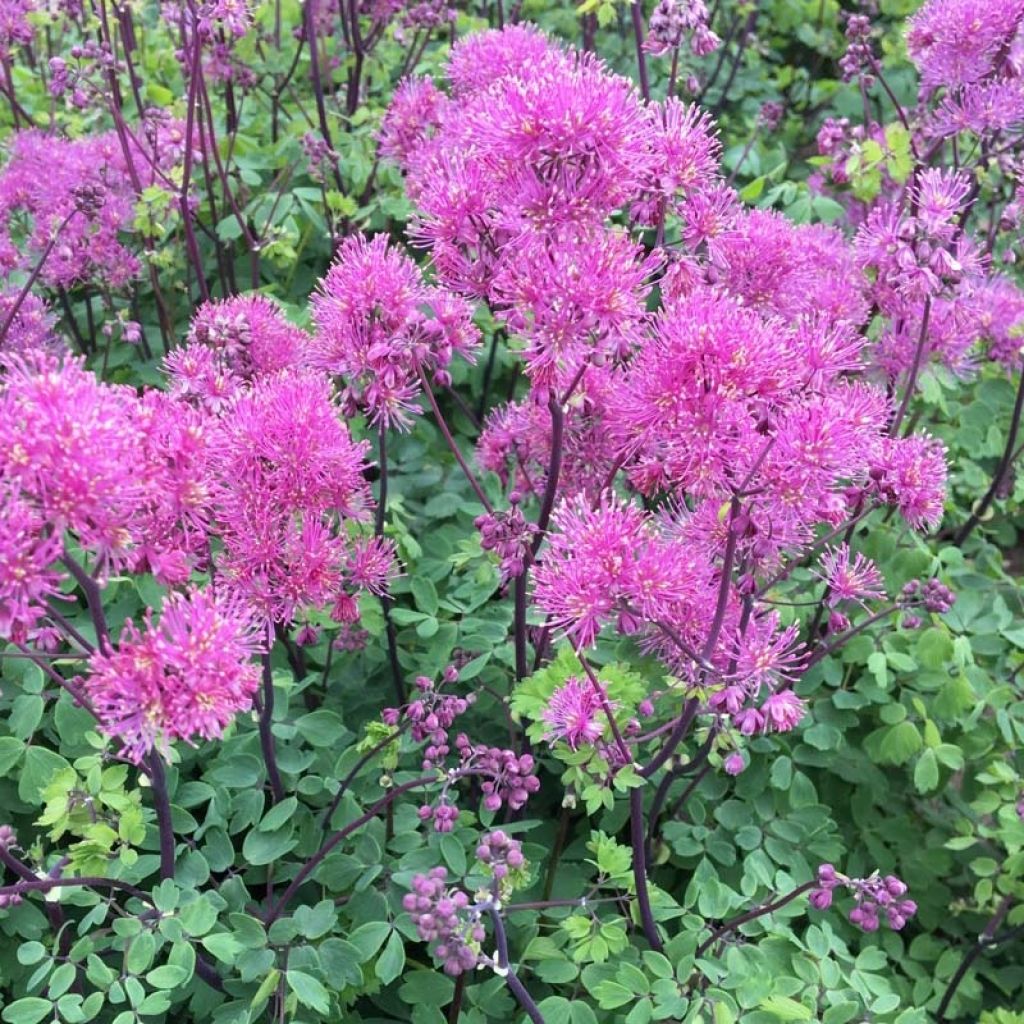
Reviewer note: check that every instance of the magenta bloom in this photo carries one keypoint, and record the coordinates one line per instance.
(911, 474)
(251, 334)
(606, 564)
(416, 112)
(378, 324)
(574, 714)
(71, 444)
(783, 711)
(28, 552)
(480, 59)
(183, 678)
(850, 577)
(959, 42)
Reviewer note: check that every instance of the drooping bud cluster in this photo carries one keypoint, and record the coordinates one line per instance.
(443, 917)
(500, 854)
(672, 20)
(509, 535)
(432, 715)
(508, 778)
(932, 596)
(874, 898)
(859, 54)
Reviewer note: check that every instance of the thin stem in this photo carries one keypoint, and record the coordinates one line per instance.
(688, 792)
(682, 727)
(515, 986)
(93, 599)
(519, 625)
(554, 471)
(915, 368)
(358, 766)
(162, 802)
(637, 841)
(985, 940)
(77, 695)
(751, 915)
(32, 278)
(266, 725)
(641, 57)
(314, 862)
(824, 652)
(450, 440)
(378, 529)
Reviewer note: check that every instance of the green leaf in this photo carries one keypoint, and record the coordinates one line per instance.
(31, 953)
(424, 594)
(308, 990)
(391, 962)
(610, 995)
(224, 946)
(369, 937)
(267, 986)
(900, 743)
(278, 815)
(926, 772)
(784, 1008)
(10, 753)
(167, 976)
(41, 765)
(428, 987)
(27, 1011)
(320, 728)
(266, 847)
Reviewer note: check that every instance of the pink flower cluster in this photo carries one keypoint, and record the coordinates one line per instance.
(442, 916)
(79, 196)
(256, 482)
(500, 854)
(575, 713)
(380, 327)
(432, 715)
(184, 677)
(873, 897)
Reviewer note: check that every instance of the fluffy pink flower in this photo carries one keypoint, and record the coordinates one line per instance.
(377, 323)
(606, 564)
(959, 42)
(46, 179)
(28, 552)
(183, 678)
(685, 149)
(480, 59)
(200, 375)
(910, 473)
(850, 578)
(251, 334)
(285, 472)
(766, 656)
(574, 296)
(14, 25)
(31, 330)
(415, 114)
(72, 446)
(574, 714)
(173, 516)
(783, 711)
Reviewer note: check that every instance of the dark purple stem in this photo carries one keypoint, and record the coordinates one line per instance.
(162, 802)
(314, 862)
(751, 915)
(638, 843)
(515, 986)
(266, 726)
